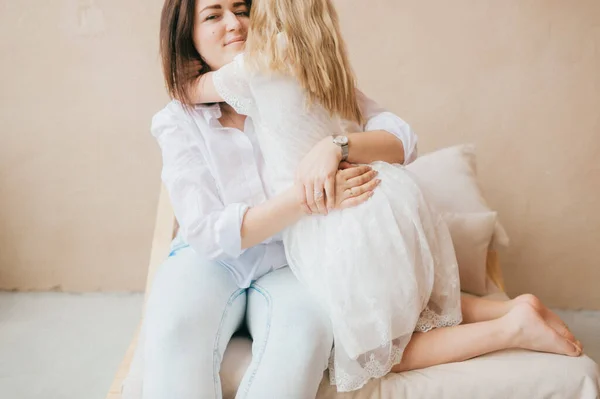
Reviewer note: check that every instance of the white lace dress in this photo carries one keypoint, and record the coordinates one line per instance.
(383, 269)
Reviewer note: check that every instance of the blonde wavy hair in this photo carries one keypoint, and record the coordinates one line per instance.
(315, 54)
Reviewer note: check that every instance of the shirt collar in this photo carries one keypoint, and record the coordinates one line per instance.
(211, 113)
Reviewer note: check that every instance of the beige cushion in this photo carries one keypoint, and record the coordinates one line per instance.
(471, 235)
(514, 374)
(450, 177)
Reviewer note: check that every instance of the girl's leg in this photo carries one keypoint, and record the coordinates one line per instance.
(521, 327)
(477, 309)
(192, 311)
(292, 339)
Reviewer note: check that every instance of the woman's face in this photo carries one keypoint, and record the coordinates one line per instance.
(220, 28)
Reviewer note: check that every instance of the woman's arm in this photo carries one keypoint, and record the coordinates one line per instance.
(374, 145)
(354, 184)
(221, 231)
(386, 138)
(269, 218)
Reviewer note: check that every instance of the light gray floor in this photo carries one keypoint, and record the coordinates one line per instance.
(585, 324)
(64, 346)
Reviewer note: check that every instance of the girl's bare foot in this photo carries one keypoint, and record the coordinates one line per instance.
(549, 316)
(532, 332)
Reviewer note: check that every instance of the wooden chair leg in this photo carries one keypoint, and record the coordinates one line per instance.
(115, 388)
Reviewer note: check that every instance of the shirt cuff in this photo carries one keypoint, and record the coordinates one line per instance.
(391, 123)
(228, 230)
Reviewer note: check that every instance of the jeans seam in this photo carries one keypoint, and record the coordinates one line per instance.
(255, 364)
(176, 249)
(216, 356)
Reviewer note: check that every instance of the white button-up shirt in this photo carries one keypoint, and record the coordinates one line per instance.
(214, 174)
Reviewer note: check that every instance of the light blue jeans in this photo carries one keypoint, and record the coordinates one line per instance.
(195, 307)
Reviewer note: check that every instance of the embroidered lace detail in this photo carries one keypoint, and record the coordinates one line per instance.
(231, 84)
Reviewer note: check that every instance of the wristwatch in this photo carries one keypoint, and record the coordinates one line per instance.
(342, 142)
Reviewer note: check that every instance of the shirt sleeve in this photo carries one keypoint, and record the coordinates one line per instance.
(378, 118)
(210, 227)
(232, 83)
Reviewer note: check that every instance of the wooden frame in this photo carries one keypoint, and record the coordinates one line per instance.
(164, 231)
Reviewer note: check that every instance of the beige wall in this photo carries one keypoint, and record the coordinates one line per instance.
(521, 79)
(79, 171)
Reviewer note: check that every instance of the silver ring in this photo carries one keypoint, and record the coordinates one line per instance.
(318, 195)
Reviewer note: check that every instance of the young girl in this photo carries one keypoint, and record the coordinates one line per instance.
(395, 272)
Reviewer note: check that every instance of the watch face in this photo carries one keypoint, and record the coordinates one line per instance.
(341, 140)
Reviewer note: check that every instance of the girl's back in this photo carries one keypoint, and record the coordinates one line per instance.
(288, 128)
(301, 79)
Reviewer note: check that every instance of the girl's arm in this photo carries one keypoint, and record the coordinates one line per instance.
(202, 90)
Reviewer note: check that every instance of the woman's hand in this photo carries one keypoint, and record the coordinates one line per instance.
(316, 176)
(353, 186)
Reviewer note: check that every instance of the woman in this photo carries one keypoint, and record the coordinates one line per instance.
(228, 266)
(214, 171)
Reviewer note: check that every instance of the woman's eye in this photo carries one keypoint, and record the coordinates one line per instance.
(211, 17)
(242, 14)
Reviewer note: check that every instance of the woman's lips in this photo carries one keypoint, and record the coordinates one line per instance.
(235, 40)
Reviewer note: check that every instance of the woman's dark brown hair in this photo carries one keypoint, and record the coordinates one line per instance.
(181, 63)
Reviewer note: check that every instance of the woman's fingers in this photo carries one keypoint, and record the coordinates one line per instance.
(358, 194)
(360, 190)
(347, 165)
(302, 197)
(319, 194)
(354, 201)
(365, 188)
(330, 192)
(355, 171)
(361, 179)
(310, 197)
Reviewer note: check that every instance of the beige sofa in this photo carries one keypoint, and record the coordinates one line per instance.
(503, 375)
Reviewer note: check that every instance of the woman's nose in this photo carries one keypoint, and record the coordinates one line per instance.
(232, 22)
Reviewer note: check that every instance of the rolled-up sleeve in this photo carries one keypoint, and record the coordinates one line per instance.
(378, 118)
(211, 228)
